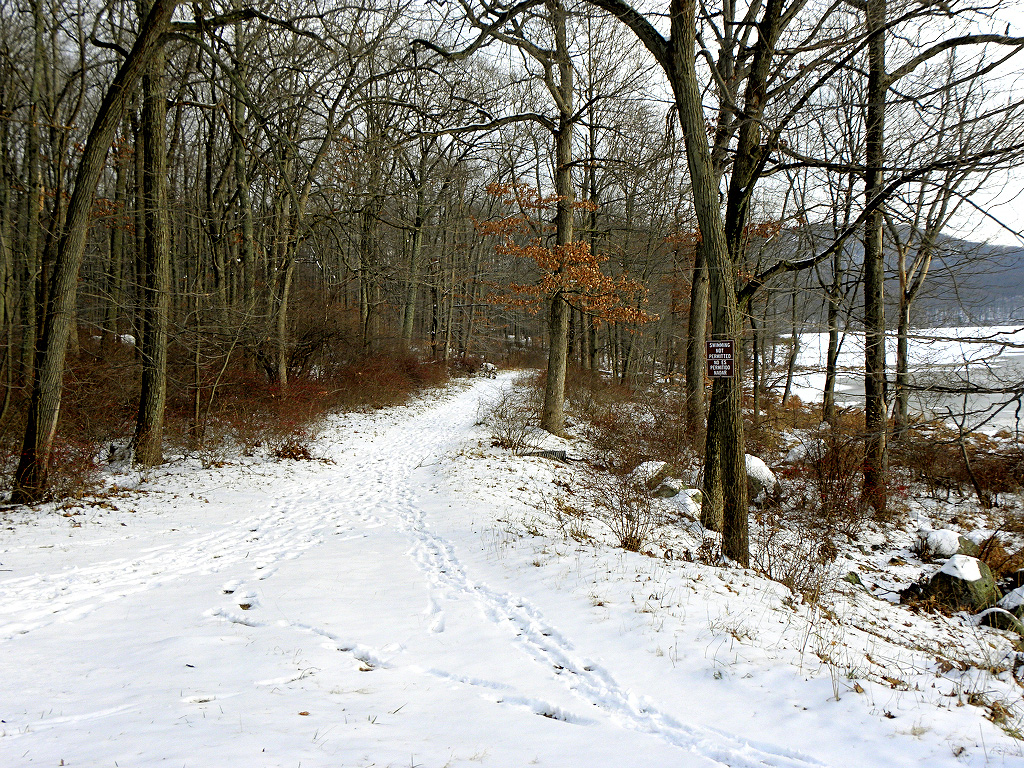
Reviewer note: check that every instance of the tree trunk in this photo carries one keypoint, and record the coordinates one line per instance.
(875, 420)
(156, 294)
(415, 253)
(553, 414)
(31, 291)
(30, 480)
(724, 464)
(696, 333)
(115, 261)
(833, 294)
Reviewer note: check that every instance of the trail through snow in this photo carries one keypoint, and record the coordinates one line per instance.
(338, 613)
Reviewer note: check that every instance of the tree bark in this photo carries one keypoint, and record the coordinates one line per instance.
(875, 419)
(696, 331)
(553, 414)
(156, 295)
(30, 480)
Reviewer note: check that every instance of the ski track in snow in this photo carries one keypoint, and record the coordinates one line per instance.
(377, 489)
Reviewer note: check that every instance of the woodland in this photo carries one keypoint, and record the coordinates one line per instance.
(218, 221)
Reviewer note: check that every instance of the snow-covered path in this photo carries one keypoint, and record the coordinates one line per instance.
(353, 612)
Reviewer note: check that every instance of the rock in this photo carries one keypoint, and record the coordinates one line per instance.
(933, 545)
(1000, 619)
(759, 478)
(669, 488)
(688, 502)
(963, 583)
(853, 578)
(650, 473)
(1013, 602)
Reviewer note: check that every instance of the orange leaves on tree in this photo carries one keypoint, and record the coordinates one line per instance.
(571, 270)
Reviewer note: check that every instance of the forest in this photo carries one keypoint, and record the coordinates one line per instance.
(218, 220)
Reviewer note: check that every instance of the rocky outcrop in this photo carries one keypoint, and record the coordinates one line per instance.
(964, 583)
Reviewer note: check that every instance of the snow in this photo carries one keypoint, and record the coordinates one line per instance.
(757, 469)
(1013, 599)
(940, 543)
(405, 602)
(962, 567)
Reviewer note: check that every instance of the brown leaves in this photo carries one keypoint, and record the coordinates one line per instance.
(571, 269)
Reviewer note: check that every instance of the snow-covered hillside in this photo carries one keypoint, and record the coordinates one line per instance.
(407, 602)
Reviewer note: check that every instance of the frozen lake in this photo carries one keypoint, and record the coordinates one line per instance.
(989, 357)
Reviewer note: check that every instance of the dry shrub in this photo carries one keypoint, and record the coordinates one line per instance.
(628, 428)
(622, 503)
(933, 459)
(793, 553)
(935, 456)
(511, 419)
(795, 540)
(74, 469)
(248, 410)
(294, 448)
(1002, 563)
(467, 365)
(835, 461)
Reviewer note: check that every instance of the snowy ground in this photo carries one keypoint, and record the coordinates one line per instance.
(408, 601)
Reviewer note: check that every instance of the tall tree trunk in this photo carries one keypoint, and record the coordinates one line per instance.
(115, 261)
(239, 138)
(696, 333)
(30, 480)
(156, 292)
(833, 296)
(415, 254)
(281, 324)
(794, 345)
(553, 414)
(875, 459)
(724, 465)
(30, 277)
(755, 369)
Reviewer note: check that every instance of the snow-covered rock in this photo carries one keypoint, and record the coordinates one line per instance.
(963, 583)
(668, 488)
(759, 477)
(937, 544)
(650, 474)
(1013, 601)
(688, 502)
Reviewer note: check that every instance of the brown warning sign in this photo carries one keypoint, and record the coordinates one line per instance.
(721, 359)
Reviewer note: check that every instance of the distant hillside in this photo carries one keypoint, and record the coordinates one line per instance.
(968, 282)
(973, 283)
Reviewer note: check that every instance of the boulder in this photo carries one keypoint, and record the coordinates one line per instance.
(650, 474)
(668, 488)
(963, 583)
(688, 503)
(1000, 619)
(760, 479)
(943, 543)
(1013, 602)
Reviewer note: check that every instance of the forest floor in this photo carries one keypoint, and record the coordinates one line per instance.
(412, 596)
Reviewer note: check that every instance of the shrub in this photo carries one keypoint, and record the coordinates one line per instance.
(510, 420)
(622, 503)
(793, 553)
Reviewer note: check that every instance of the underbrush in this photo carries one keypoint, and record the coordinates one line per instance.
(221, 405)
